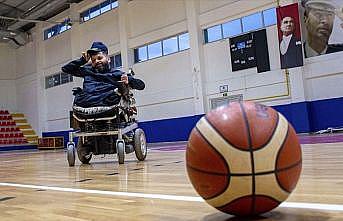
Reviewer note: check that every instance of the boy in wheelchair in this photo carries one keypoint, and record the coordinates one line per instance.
(104, 109)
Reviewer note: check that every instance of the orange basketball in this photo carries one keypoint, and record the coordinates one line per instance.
(243, 158)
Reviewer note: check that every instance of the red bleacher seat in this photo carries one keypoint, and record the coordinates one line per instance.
(6, 112)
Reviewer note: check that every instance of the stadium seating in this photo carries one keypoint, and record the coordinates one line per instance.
(10, 134)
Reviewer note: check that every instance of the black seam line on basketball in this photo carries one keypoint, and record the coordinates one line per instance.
(251, 156)
(272, 134)
(214, 128)
(277, 156)
(246, 174)
(207, 172)
(223, 160)
(84, 180)
(6, 198)
(269, 197)
(216, 174)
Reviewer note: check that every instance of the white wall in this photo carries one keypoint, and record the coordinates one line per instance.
(7, 76)
(8, 95)
(27, 98)
(168, 87)
(7, 62)
(107, 31)
(152, 15)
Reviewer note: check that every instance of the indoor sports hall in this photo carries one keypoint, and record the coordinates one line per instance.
(209, 110)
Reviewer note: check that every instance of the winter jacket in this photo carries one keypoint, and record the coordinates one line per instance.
(98, 88)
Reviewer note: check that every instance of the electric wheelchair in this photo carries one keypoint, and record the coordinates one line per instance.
(107, 130)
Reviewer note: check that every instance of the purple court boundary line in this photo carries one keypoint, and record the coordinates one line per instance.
(304, 139)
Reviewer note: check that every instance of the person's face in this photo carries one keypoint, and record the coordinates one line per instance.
(319, 24)
(287, 26)
(100, 61)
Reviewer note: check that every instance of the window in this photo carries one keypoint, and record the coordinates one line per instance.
(84, 16)
(57, 29)
(116, 61)
(65, 78)
(164, 47)
(183, 41)
(252, 22)
(95, 11)
(98, 10)
(269, 17)
(213, 34)
(155, 50)
(114, 4)
(57, 79)
(141, 54)
(170, 45)
(232, 28)
(105, 6)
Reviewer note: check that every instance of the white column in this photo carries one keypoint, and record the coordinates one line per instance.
(126, 52)
(75, 37)
(41, 92)
(197, 56)
(75, 31)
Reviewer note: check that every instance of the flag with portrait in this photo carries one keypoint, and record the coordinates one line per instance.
(290, 44)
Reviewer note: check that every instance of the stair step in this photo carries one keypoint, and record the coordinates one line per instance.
(24, 126)
(28, 132)
(20, 120)
(17, 115)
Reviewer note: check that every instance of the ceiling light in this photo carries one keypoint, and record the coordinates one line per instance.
(13, 34)
(5, 38)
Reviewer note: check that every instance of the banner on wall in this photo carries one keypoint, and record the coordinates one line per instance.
(290, 44)
(322, 26)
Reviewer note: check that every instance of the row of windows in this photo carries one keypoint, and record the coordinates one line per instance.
(57, 79)
(57, 29)
(161, 48)
(241, 25)
(98, 10)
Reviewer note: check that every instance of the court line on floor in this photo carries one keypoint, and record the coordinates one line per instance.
(314, 206)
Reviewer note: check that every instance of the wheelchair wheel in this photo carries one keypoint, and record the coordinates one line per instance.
(71, 154)
(121, 151)
(140, 144)
(83, 152)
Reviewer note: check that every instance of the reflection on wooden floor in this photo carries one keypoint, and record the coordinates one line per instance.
(162, 173)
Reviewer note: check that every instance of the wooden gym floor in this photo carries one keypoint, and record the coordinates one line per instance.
(39, 185)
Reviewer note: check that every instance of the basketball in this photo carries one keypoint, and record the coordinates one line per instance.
(243, 158)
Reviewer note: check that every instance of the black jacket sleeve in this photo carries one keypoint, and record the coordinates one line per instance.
(115, 76)
(73, 67)
(136, 83)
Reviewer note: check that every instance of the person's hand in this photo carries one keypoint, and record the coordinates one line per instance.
(86, 56)
(125, 79)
